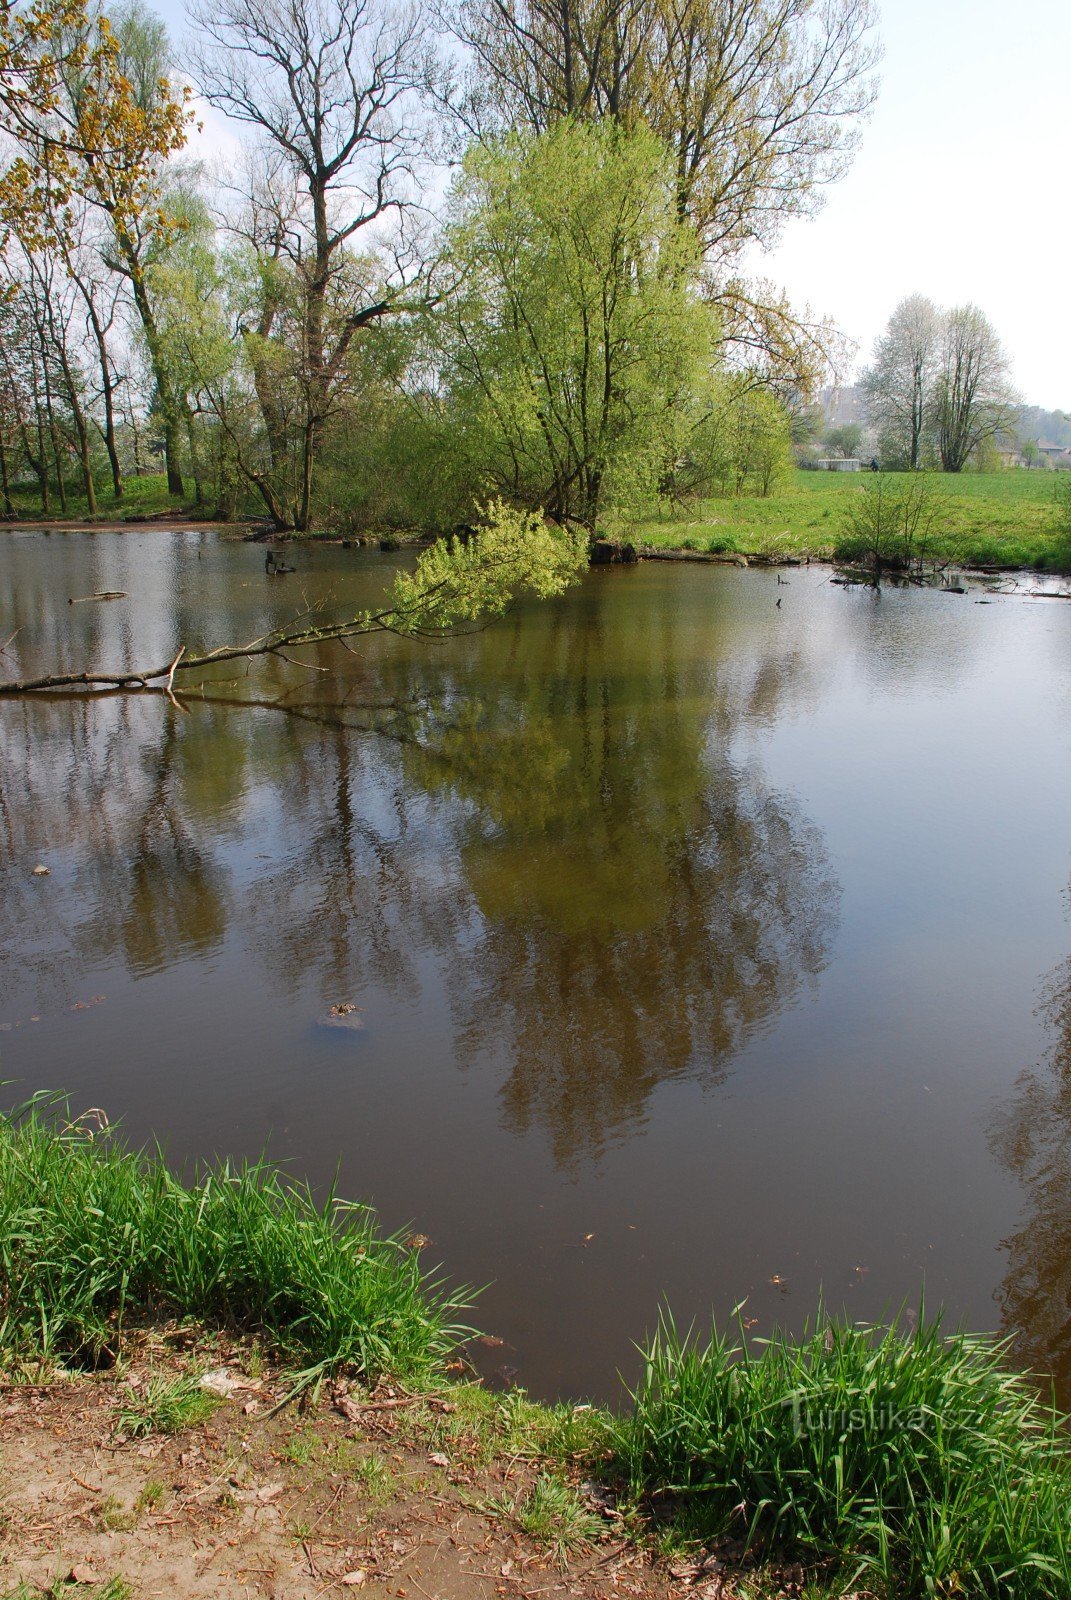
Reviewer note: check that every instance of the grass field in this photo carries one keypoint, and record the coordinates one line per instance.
(1000, 519)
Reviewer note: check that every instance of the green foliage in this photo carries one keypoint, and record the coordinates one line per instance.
(573, 343)
(552, 1513)
(167, 1405)
(460, 580)
(93, 1235)
(916, 1459)
(1002, 520)
(741, 443)
(846, 440)
(114, 1589)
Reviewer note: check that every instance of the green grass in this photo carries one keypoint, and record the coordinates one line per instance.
(905, 1463)
(94, 1235)
(167, 1405)
(114, 1589)
(553, 1514)
(1002, 519)
(914, 1460)
(142, 496)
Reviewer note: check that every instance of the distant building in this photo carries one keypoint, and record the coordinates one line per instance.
(839, 464)
(843, 404)
(1057, 455)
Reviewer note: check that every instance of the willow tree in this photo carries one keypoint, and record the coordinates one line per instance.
(574, 341)
(759, 102)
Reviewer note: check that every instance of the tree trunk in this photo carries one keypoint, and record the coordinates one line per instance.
(169, 405)
(5, 480)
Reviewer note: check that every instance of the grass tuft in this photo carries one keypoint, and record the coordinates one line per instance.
(113, 1589)
(914, 1460)
(166, 1406)
(94, 1235)
(553, 1514)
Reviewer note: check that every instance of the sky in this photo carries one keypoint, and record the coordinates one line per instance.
(960, 190)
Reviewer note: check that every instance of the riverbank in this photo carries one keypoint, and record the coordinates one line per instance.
(226, 1383)
(175, 1474)
(1003, 521)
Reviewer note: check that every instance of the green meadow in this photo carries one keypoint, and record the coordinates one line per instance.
(1000, 519)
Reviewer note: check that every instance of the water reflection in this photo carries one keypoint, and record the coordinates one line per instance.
(646, 903)
(1032, 1136)
(580, 881)
(605, 888)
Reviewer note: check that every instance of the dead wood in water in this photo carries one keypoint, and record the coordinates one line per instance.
(301, 631)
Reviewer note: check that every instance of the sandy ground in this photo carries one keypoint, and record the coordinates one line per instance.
(336, 1497)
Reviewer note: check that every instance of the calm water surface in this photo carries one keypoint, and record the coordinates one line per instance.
(698, 943)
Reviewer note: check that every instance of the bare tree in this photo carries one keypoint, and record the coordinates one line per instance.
(328, 87)
(901, 381)
(759, 100)
(974, 393)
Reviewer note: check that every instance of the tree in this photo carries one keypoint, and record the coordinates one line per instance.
(974, 397)
(573, 341)
(846, 441)
(99, 136)
(329, 89)
(889, 522)
(758, 101)
(900, 383)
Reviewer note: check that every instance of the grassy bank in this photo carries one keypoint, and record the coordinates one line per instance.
(1001, 519)
(1004, 519)
(144, 496)
(900, 1463)
(94, 1237)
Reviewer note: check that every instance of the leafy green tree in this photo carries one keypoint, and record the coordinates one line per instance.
(845, 441)
(757, 101)
(740, 442)
(573, 339)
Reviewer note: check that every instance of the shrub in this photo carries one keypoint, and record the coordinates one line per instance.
(889, 522)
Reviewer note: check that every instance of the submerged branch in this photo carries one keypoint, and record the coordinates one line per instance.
(454, 584)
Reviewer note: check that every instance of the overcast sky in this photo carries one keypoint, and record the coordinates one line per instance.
(961, 189)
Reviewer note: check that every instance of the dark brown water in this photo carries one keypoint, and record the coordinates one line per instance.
(699, 943)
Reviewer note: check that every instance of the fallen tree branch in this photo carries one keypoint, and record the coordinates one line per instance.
(453, 587)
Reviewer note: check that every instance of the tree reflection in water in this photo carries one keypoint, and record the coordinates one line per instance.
(571, 834)
(1032, 1136)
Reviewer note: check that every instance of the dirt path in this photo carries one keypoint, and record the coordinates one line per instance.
(388, 1495)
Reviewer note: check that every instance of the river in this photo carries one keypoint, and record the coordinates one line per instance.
(706, 950)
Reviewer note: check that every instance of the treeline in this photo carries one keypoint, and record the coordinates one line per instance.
(329, 332)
